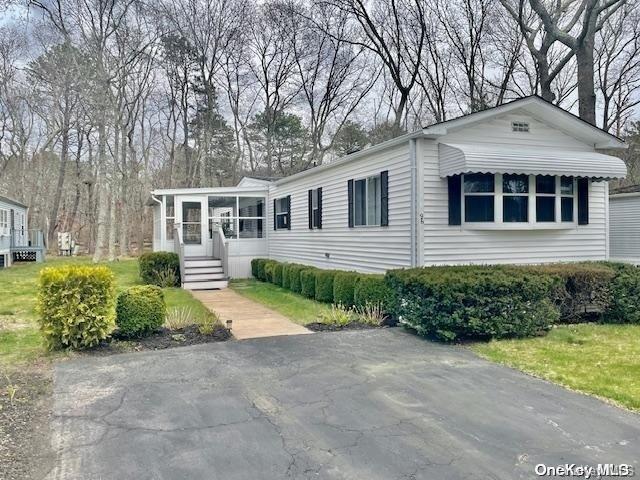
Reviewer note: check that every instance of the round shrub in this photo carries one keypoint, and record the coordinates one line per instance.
(308, 282)
(140, 310)
(344, 284)
(285, 275)
(75, 305)
(324, 285)
(276, 274)
(269, 267)
(254, 267)
(372, 290)
(261, 264)
(294, 277)
(160, 268)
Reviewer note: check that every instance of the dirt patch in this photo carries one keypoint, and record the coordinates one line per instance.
(25, 413)
(164, 338)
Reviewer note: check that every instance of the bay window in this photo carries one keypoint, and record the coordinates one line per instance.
(513, 199)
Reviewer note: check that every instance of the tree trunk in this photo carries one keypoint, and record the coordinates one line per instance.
(64, 156)
(103, 195)
(586, 87)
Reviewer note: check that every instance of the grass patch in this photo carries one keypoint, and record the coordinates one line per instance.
(601, 360)
(20, 339)
(297, 308)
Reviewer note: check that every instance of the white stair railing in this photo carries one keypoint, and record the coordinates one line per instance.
(179, 248)
(221, 248)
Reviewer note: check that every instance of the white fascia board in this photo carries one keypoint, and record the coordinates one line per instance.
(214, 190)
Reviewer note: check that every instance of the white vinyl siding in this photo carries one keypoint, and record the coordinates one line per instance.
(624, 227)
(445, 244)
(367, 248)
(20, 225)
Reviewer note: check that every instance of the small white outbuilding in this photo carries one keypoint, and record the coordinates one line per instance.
(624, 224)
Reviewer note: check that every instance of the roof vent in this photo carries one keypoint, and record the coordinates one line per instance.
(520, 126)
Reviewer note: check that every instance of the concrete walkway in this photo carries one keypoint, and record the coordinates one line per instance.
(250, 319)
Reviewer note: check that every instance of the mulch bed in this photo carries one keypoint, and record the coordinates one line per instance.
(328, 327)
(160, 340)
(25, 450)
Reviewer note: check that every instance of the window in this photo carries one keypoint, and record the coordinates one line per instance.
(315, 208)
(282, 213)
(567, 190)
(170, 214)
(479, 197)
(192, 223)
(545, 198)
(515, 198)
(367, 201)
(239, 217)
(520, 127)
(4, 222)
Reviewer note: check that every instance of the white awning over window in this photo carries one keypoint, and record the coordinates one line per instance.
(467, 158)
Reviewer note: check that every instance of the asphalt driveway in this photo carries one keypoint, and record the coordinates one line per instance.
(367, 405)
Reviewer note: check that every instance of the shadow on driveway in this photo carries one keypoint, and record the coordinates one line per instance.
(377, 404)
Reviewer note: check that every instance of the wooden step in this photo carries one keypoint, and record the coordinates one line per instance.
(201, 277)
(190, 263)
(207, 285)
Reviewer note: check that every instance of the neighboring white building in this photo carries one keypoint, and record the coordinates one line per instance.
(13, 227)
(520, 183)
(624, 224)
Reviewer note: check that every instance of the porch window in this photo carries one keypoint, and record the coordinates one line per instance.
(223, 212)
(170, 214)
(239, 217)
(479, 197)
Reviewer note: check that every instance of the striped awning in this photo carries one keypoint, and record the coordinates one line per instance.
(457, 158)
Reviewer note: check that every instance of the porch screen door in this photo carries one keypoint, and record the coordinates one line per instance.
(192, 223)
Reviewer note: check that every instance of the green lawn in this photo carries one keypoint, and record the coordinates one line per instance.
(299, 309)
(602, 360)
(20, 340)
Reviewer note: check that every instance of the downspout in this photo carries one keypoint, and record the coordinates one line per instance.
(414, 201)
(163, 225)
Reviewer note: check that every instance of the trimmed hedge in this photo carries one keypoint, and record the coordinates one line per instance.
(156, 268)
(276, 273)
(269, 267)
(450, 303)
(625, 295)
(308, 282)
(76, 306)
(285, 275)
(372, 290)
(324, 285)
(140, 310)
(294, 277)
(344, 285)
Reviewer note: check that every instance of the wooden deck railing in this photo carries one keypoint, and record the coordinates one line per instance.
(27, 238)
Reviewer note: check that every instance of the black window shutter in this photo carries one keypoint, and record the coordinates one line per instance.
(275, 217)
(350, 201)
(311, 209)
(583, 201)
(384, 198)
(455, 191)
(289, 212)
(319, 207)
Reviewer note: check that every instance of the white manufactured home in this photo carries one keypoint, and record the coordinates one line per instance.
(17, 241)
(624, 224)
(524, 182)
